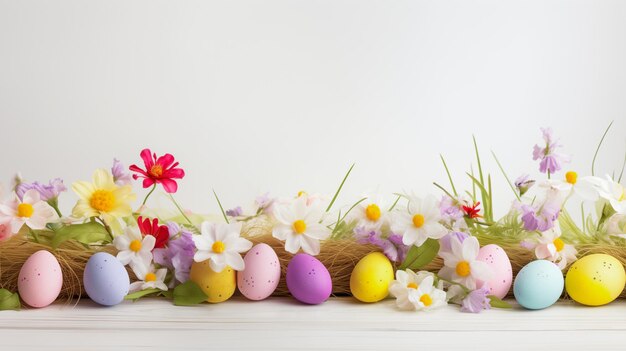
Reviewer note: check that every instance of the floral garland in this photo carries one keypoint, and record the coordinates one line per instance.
(191, 260)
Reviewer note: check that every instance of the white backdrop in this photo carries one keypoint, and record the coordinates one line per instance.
(280, 96)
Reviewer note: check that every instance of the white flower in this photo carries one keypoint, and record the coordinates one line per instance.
(613, 192)
(415, 291)
(221, 244)
(585, 187)
(549, 246)
(371, 213)
(298, 225)
(149, 278)
(133, 248)
(32, 211)
(419, 222)
(461, 265)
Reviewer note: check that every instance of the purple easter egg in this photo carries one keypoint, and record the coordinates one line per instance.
(308, 280)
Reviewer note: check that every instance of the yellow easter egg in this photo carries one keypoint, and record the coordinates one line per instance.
(369, 281)
(595, 280)
(219, 287)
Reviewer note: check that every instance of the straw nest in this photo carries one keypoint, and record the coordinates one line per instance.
(339, 256)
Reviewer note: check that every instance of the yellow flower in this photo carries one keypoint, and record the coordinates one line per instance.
(103, 198)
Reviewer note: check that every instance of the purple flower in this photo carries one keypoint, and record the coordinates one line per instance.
(392, 246)
(476, 300)
(178, 255)
(450, 210)
(444, 243)
(120, 176)
(550, 159)
(46, 191)
(540, 219)
(234, 212)
(523, 183)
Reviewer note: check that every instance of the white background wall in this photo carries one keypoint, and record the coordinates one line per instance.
(255, 96)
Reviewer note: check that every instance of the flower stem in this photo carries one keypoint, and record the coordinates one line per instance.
(147, 196)
(453, 283)
(35, 236)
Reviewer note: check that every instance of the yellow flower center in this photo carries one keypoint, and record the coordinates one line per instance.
(559, 244)
(25, 210)
(426, 300)
(571, 177)
(411, 286)
(135, 246)
(372, 212)
(150, 277)
(218, 247)
(301, 193)
(418, 220)
(463, 269)
(299, 226)
(156, 171)
(102, 200)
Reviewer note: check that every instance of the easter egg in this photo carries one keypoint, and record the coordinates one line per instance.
(308, 280)
(595, 280)
(218, 287)
(40, 279)
(538, 285)
(261, 274)
(496, 258)
(370, 278)
(105, 279)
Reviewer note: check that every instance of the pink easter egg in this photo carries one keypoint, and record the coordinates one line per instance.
(40, 279)
(496, 258)
(261, 274)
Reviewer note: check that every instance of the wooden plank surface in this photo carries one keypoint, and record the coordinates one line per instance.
(282, 323)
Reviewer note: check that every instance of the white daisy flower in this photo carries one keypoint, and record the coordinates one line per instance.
(549, 246)
(461, 265)
(31, 210)
(221, 243)
(298, 225)
(586, 187)
(613, 192)
(371, 213)
(149, 277)
(419, 222)
(132, 247)
(416, 291)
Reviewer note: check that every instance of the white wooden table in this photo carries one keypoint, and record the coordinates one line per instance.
(282, 323)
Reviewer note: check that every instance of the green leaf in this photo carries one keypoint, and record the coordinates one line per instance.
(330, 205)
(497, 303)
(221, 207)
(139, 294)
(9, 300)
(188, 294)
(418, 257)
(86, 233)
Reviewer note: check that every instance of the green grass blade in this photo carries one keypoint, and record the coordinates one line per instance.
(480, 167)
(220, 205)
(449, 175)
(595, 155)
(622, 172)
(505, 175)
(444, 190)
(395, 203)
(330, 205)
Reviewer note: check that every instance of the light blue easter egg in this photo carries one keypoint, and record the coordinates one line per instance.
(106, 280)
(538, 285)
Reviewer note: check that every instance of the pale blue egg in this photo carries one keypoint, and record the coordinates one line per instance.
(538, 285)
(106, 280)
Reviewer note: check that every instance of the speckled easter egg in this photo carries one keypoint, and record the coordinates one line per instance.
(218, 287)
(370, 278)
(538, 285)
(308, 280)
(40, 279)
(595, 280)
(261, 274)
(105, 279)
(497, 259)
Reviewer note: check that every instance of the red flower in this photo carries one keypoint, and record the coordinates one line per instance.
(159, 232)
(160, 170)
(472, 211)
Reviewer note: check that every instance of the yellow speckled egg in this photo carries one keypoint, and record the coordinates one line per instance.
(369, 281)
(219, 287)
(595, 280)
